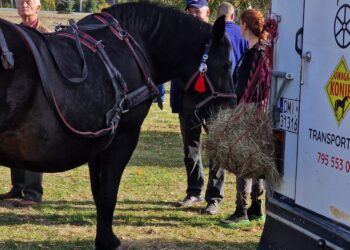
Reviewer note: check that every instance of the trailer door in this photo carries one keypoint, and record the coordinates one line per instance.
(287, 61)
(323, 171)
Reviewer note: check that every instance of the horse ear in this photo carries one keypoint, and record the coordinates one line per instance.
(219, 28)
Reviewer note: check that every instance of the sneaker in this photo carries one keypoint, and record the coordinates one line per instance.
(255, 212)
(236, 220)
(189, 201)
(212, 207)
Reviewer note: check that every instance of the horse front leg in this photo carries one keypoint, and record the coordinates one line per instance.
(105, 174)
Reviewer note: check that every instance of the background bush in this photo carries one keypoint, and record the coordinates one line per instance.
(65, 6)
(48, 5)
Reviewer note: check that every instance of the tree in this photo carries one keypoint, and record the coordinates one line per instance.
(65, 6)
(238, 4)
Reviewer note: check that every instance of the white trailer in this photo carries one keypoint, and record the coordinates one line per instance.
(311, 93)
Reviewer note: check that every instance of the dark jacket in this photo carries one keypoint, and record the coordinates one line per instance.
(245, 70)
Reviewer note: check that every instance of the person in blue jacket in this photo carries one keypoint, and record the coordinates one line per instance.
(238, 43)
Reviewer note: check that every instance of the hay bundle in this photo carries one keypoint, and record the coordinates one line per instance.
(242, 142)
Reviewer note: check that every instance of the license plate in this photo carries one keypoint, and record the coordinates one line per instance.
(289, 116)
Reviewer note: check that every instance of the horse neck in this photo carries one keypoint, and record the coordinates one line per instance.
(168, 37)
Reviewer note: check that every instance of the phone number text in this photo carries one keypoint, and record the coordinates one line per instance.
(337, 163)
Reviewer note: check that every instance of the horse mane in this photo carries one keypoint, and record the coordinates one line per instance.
(154, 19)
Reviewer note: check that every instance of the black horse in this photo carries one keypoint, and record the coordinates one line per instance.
(42, 137)
(340, 103)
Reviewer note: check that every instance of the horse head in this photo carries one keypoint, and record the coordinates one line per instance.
(211, 85)
(180, 46)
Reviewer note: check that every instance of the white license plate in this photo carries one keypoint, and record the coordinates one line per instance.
(289, 116)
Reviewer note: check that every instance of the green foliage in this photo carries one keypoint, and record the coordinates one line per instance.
(48, 5)
(90, 6)
(6, 3)
(65, 6)
(213, 4)
(102, 4)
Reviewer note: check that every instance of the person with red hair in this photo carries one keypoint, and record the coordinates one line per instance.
(247, 81)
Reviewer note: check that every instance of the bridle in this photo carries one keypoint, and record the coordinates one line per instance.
(201, 75)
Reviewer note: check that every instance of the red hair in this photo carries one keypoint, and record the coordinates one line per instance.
(254, 20)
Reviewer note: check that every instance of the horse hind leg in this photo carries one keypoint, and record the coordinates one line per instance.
(105, 174)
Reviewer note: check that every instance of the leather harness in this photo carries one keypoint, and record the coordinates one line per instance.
(6, 56)
(202, 70)
(124, 100)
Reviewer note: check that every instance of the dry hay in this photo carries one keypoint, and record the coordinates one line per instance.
(242, 142)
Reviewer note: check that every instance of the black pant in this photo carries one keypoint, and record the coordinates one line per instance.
(27, 182)
(191, 130)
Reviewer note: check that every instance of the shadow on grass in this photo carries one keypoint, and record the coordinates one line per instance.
(153, 244)
(83, 213)
(9, 219)
(47, 204)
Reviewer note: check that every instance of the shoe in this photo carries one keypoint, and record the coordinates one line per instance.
(26, 203)
(11, 195)
(189, 201)
(237, 220)
(212, 207)
(255, 212)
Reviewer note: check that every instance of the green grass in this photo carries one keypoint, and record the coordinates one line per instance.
(145, 217)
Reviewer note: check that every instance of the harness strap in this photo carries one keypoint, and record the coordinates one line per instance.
(86, 43)
(213, 95)
(75, 36)
(6, 57)
(38, 60)
(122, 35)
